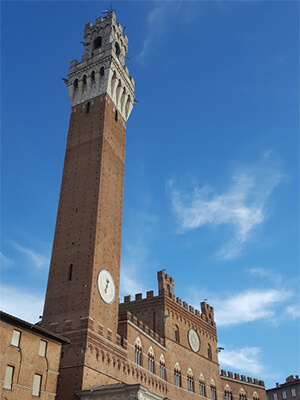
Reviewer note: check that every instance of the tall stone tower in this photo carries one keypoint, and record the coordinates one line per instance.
(83, 286)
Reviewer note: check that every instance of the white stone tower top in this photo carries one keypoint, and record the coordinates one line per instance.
(102, 68)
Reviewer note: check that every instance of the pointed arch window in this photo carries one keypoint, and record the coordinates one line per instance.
(256, 397)
(177, 375)
(227, 394)
(202, 386)
(213, 390)
(190, 381)
(138, 352)
(242, 395)
(162, 367)
(151, 360)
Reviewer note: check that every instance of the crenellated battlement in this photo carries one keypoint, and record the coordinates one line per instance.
(206, 315)
(127, 316)
(102, 69)
(241, 378)
(165, 284)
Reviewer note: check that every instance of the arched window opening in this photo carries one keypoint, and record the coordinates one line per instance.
(151, 364)
(256, 397)
(168, 290)
(84, 79)
(242, 396)
(190, 381)
(102, 71)
(227, 395)
(213, 393)
(70, 272)
(202, 388)
(176, 333)
(162, 367)
(76, 84)
(118, 50)
(209, 354)
(177, 375)
(151, 360)
(116, 116)
(138, 352)
(93, 76)
(88, 105)
(97, 42)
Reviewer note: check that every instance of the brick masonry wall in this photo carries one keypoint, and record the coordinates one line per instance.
(27, 362)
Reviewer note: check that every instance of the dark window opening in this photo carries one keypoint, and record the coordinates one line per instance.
(209, 354)
(88, 105)
(70, 272)
(118, 50)
(116, 115)
(102, 71)
(76, 83)
(84, 79)
(176, 334)
(93, 76)
(98, 42)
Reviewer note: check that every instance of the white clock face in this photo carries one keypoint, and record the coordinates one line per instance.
(194, 340)
(106, 286)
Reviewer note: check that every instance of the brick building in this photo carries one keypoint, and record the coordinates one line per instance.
(290, 390)
(156, 347)
(30, 358)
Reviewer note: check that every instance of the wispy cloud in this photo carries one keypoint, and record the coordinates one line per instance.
(246, 359)
(20, 303)
(5, 261)
(249, 306)
(38, 260)
(242, 207)
(156, 25)
(294, 311)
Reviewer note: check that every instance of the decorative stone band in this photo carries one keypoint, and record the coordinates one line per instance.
(86, 82)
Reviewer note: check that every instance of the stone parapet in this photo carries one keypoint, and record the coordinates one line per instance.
(242, 378)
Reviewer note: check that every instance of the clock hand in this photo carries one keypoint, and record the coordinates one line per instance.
(107, 283)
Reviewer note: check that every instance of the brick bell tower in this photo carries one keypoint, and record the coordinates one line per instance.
(83, 287)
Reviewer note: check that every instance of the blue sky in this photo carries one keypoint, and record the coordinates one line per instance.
(211, 179)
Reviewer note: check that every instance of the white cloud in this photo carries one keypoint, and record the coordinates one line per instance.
(21, 304)
(246, 359)
(157, 23)
(248, 306)
(242, 206)
(38, 260)
(294, 311)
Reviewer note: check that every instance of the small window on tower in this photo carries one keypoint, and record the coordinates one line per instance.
(88, 105)
(70, 272)
(116, 115)
(98, 42)
(102, 71)
(118, 51)
(84, 79)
